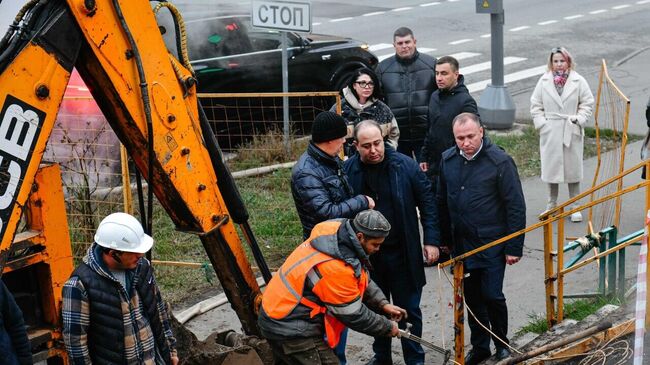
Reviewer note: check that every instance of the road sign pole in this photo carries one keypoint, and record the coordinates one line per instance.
(285, 90)
(283, 16)
(496, 106)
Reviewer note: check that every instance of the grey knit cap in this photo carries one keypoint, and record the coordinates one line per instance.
(372, 223)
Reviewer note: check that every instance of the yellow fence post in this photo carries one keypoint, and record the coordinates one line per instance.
(126, 181)
(459, 314)
(548, 272)
(560, 266)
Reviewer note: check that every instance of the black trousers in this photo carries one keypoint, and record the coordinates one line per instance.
(484, 296)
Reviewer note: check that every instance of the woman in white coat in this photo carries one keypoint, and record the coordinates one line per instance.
(560, 106)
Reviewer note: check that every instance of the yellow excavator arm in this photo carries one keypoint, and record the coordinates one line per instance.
(149, 99)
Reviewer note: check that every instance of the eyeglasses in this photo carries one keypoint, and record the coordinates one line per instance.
(365, 85)
(556, 50)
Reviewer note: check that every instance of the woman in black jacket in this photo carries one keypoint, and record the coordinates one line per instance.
(361, 101)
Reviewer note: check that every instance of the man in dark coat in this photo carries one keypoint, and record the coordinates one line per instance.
(14, 344)
(451, 99)
(398, 187)
(480, 200)
(407, 80)
(318, 184)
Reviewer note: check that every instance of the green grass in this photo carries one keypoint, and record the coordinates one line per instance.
(577, 309)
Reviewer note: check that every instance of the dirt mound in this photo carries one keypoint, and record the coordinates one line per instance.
(223, 348)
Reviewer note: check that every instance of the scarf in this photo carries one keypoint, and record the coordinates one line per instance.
(559, 79)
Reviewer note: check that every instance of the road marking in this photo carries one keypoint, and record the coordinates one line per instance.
(464, 55)
(430, 4)
(380, 46)
(402, 9)
(619, 7)
(517, 29)
(452, 1)
(516, 76)
(643, 2)
(547, 22)
(486, 35)
(374, 13)
(340, 19)
(315, 24)
(381, 58)
(487, 65)
(460, 41)
(571, 17)
(426, 50)
(598, 11)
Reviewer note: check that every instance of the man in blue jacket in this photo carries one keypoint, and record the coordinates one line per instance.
(318, 184)
(14, 344)
(480, 200)
(398, 187)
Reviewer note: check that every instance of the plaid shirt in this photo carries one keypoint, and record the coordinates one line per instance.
(139, 341)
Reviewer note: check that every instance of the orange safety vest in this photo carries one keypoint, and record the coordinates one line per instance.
(285, 291)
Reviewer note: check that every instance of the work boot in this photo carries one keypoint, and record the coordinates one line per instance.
(502, 353)
(476, 357)
(375, 361)
(576, 217)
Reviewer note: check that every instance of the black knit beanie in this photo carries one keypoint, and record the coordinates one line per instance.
(328, 126)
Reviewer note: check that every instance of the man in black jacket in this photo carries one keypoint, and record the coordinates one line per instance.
(398, 187)
(407, 80)
(451, 99)
(14, 344)
(319, 186)
(480, 200)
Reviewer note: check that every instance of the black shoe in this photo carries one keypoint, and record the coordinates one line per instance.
(502, 353)
(475, 357)
(375, 361)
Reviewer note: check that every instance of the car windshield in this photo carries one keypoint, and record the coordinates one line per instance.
(228, 36)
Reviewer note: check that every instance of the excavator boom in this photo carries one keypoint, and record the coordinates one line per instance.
(149, 99)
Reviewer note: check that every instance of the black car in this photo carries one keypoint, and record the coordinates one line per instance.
(229, 55)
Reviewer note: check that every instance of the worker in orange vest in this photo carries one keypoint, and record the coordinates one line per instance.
(323, 287)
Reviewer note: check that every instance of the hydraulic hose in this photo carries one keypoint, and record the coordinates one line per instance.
(147, 111)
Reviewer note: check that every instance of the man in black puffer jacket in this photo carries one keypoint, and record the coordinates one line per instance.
(407, 80)
(451, 99)
(319, 186)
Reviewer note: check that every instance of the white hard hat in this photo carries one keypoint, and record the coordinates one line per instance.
(122, 232)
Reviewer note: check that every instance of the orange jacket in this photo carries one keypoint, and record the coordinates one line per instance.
(335, 286)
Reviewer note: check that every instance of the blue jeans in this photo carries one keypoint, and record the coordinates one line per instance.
(390, 274)
(339, 350)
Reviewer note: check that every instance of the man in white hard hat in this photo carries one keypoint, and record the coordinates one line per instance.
(112, 309)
